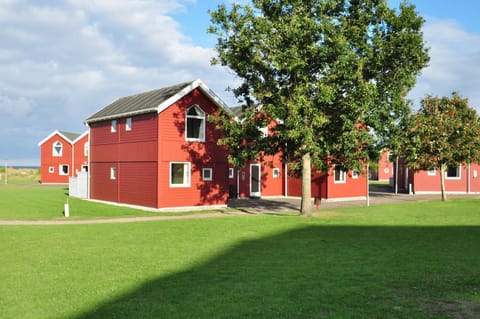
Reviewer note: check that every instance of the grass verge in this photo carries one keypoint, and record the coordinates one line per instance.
(397, 261)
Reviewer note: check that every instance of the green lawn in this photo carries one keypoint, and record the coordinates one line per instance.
(414, 260)
(45, 202)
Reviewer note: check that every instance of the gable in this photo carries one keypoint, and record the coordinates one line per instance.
(152, 101)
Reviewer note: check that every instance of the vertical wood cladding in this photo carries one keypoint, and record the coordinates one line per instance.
(207, 154)
(133, 153)
(47, 160)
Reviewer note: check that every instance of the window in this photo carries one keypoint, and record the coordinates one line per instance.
(63, 170)
(207, 174)
(431, 172)
(339, 175)
(113, 127)
(85, 149)
(57, 149)
(453, 172)
(128, 124)
(231, 173)
(276, 172)
(51, 169)
(113, 173)
(263, 131)
(195, 122)
(84, 168)
(179, 174)
(354, 174)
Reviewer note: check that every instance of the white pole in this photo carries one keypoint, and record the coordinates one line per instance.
(368, 190)
(396, 176)
(6, 172)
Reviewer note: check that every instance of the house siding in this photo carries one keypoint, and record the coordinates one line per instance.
(132, 153)
(47, 160)
(79, 157)
(174, 148)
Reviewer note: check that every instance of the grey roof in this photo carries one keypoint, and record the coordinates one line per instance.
(71, 136)
(141, 103)
(237, 110)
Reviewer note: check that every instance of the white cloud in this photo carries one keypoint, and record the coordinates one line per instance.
(454, 62)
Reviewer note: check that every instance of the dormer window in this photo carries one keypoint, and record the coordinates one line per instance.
(57, 149)
(195, 124)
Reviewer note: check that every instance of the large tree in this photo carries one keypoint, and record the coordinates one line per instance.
(444, 132)
(329, 72)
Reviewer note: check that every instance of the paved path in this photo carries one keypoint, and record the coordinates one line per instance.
(252, 206)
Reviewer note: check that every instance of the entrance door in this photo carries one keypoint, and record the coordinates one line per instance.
(255, 180)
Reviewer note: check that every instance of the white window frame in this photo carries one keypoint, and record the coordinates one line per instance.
(201, 117)
(231, 173)
(113, 173)
(113, 126)
(85, 149)
(207, 174)
(432, 172)
(51, 169)
(263, 131)
(128, 124)
(186, 175)
(60, 169)
(84, 168)
(343, 176)
(56, 153)
(459, 175)
(355, 174)
(276, 172)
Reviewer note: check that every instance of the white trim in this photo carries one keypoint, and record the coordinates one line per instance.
(51, 169)
(56, 132)
(187, 175)
(161, 209)
(259, 193)
(209, 178)
(113, 173)
(231, 173)
(189, 88)
(60, 170)
(343, 174)
(203, 125)
(459, 177)
(128, 124)
(56, 153)
(80, 137)
(355, 174)
(113, 126)
(276, 172)
(432, 172)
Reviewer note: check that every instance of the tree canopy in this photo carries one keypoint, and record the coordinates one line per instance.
(444, 132)
(329, 72)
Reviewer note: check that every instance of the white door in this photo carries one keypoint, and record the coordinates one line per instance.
(255, 180)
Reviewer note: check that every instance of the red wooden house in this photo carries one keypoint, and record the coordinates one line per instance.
(157, 149)
(462, 179)
(62, 155)
(271, 178)
(385, 171)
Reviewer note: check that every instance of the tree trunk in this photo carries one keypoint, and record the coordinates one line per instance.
(307, 207)
(443, 169)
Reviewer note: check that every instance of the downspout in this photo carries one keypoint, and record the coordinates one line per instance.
(73, 160)
(396, 176)
(468, 179)
(89, 167)
(238, 183)
(368, 190)
(286, 179)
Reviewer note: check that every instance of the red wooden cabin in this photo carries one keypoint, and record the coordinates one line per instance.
(157, 149)
(462, 179)
(271, 178)
(62, 155)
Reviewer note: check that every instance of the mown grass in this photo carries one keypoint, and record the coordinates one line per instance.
(415, 260)
(45, 202)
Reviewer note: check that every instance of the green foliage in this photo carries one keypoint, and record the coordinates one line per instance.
(444, 131)
(322, 68)
(414, 260)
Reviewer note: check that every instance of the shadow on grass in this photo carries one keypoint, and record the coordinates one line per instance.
(321, 272)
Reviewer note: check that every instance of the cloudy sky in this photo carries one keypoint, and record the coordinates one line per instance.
(61, 61)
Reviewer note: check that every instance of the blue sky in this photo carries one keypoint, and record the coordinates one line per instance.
(61, 61)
